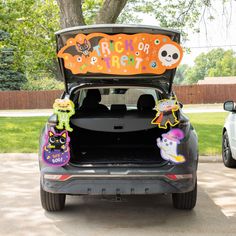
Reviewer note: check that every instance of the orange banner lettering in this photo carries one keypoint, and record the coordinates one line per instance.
(120, 54)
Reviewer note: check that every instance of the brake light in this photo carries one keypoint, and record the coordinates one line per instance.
(171, 177)
(64, 177)
(57, 177)
(178, 177)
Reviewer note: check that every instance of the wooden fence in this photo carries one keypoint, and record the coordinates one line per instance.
(202, 94)
(189, 94)
(28, 99)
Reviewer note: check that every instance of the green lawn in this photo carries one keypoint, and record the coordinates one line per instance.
(21, 134)
(209, 129)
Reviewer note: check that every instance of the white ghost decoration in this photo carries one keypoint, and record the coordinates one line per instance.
(169, 55)
(169, 146)
(93, 60)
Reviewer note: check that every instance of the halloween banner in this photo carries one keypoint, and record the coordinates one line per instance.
(120, 54)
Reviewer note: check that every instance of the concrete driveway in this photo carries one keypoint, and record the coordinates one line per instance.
(192, 108)
(21, 212)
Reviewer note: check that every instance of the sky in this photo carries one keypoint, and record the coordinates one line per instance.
(219, 32)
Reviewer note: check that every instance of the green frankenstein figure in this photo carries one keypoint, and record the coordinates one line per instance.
(64, 109)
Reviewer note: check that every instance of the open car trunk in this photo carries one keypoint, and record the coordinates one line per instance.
(130, 139)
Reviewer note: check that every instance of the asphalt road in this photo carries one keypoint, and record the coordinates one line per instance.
(21, 212)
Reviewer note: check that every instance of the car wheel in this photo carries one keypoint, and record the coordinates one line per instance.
(52, 201)
(226, 152)
(185, 201)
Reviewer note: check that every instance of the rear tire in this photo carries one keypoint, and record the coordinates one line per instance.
(185, 201)
(226, 152)
(52, 201)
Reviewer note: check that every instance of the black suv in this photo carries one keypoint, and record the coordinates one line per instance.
(120, 144)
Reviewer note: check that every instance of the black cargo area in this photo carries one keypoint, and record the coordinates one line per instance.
(118, 147)
(116, 156)
(116, 133)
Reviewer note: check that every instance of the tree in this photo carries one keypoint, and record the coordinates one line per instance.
(31, 24)
(180, 14)
(71, 13)
(11, 79)
(107, 11)
(180, 73)
(224, 67)
(217, 62)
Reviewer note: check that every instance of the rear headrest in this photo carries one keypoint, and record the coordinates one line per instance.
(146, 102)
(94, 94)
(89, 102)
(118, 108)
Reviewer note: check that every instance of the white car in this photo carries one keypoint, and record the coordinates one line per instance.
(229, 136)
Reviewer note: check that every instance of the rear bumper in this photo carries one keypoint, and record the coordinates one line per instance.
(126, 183)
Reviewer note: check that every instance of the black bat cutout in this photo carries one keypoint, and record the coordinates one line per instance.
(83, 48)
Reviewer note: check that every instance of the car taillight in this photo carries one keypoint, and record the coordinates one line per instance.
(171, 177)
(178, 177)
(57, 177)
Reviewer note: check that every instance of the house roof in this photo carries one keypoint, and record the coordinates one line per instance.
(218, 80)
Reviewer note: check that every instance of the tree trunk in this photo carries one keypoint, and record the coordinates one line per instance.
(70, 13)
(110, 11)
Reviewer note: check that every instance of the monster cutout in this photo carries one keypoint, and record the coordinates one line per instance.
(56, 151)
(166, 109)
(169, 144)
(64, 109)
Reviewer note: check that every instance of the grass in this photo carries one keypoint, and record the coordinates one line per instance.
(209, 129)
(21, 135)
